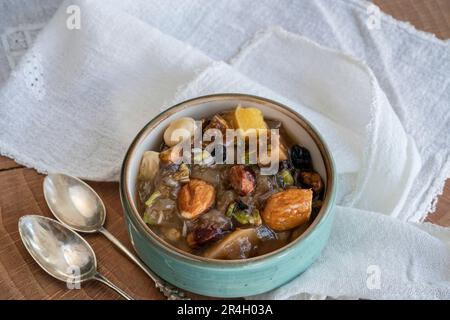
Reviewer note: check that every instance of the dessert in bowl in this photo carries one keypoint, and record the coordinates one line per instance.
(228, 195)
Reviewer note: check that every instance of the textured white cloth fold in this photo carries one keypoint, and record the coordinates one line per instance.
(79, 96)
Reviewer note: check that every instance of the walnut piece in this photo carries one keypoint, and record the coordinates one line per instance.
(195, 198)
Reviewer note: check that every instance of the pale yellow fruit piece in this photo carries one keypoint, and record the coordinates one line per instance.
(248, 119)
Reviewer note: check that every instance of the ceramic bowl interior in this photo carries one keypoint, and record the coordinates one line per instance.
(298, 129)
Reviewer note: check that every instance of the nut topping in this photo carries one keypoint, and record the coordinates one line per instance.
(288, 209)
(195, 198)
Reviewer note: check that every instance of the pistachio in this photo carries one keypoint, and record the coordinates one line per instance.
(209, 227)
(242, 214)
(285, 178)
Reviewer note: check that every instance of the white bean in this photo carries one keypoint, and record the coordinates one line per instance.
(149, 165)
(179, 130)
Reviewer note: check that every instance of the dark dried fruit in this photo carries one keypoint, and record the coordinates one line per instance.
(312, 180)
(242, 179)
(208, 228)
(301, 158)
(202, 235)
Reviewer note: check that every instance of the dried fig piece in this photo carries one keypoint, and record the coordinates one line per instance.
(200, 236)
(208, 228)
(242, 179)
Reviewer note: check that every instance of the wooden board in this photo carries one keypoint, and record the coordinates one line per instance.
(21, 193)
(428, 15)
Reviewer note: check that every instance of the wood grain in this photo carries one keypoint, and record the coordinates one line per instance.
(428, 15)
(22, 278)
(8, 164)
(21, 193)
(442, 214)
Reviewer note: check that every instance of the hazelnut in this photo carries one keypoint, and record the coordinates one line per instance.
(311, 180)
(242, 179)
(195, 198)
(288, 209)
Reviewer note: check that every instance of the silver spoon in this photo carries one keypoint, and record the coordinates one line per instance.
(61, 252)
(76, 205)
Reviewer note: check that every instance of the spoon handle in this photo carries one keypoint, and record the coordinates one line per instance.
(104, 280)
(166, 289)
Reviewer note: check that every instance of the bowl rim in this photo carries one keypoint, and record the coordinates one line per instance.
(132, 212)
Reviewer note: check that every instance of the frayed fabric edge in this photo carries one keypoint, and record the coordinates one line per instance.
(402, 25)
(40, 168)
(429, 206)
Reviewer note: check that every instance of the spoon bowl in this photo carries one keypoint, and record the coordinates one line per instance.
(74, 203)
(61, 252)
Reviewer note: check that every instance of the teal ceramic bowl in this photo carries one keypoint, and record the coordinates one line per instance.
(228, 278)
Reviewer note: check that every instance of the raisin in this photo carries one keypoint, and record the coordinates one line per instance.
(301, 158)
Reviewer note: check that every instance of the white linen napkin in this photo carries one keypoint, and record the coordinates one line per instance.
(79, 96)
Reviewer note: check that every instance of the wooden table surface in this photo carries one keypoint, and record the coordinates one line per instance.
(21, 193)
